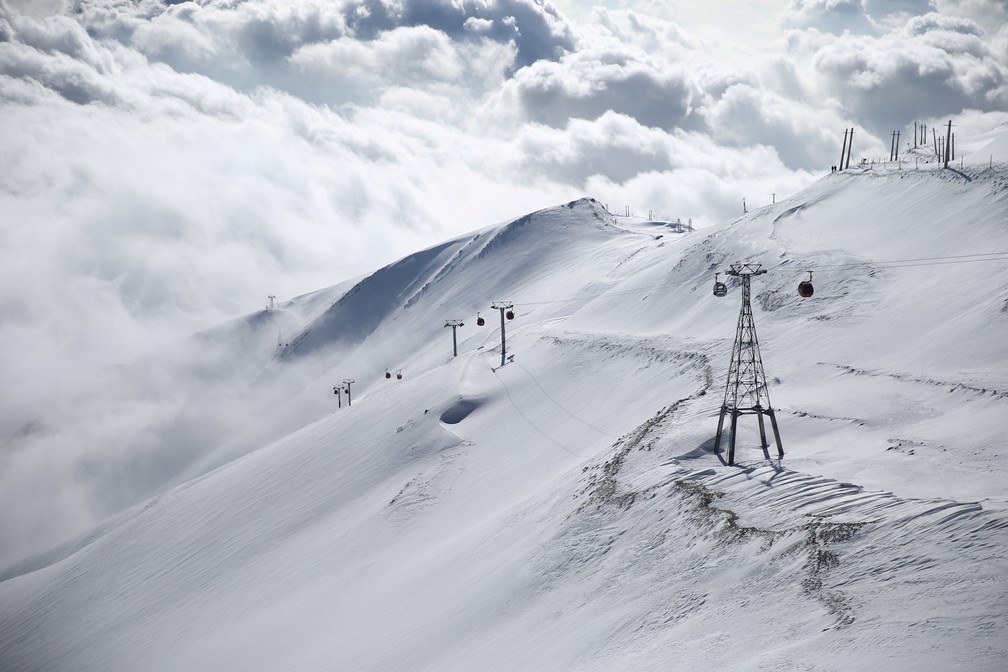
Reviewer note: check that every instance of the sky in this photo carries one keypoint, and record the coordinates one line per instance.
(165, 166)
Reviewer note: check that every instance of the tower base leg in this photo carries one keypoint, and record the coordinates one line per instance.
(731, 440)
(720, 426)
(773, 423)
(762, 428)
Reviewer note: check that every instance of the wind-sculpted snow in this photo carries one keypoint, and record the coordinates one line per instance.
(362, 308)
(949, 386)
(459, 412)
(562, 508)
(859, 549)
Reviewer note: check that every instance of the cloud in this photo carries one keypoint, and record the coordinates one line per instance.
(746, 115)
(732, 105)
(653, 36)
(617, 156)
(882, 8)
(251, 44)
(612, 77)
(992, 15)
(421, 56)
(935, 66)
(537, 29)
(830, 16)
(613, 145)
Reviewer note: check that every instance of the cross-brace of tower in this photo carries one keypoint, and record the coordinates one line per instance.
(746, 390)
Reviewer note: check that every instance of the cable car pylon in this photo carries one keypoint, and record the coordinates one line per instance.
(506, 309)
(746, 390)
(454, 324)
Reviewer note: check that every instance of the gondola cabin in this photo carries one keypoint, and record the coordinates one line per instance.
(387, 375)
(479, 320)
(398, 375)
(805, 288)
(509, 314)
(720, 288)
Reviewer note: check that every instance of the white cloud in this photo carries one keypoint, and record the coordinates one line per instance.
(935, 66)
(830, 16)
(992, 15)
(610, 77)
(747, 115)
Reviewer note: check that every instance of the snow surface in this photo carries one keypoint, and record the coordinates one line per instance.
(565, 510)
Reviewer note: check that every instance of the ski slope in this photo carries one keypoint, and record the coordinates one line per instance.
(563, 509)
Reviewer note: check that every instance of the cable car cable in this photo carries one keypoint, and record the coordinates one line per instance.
(531, 424)
(896, 263)
(962, 258)
(561, 406)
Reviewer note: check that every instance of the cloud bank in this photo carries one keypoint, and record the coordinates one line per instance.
(164, 166)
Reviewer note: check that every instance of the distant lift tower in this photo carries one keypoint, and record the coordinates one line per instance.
(506, 309)
(746, 391)
(454, 324)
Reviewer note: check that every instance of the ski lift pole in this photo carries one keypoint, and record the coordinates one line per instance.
(503, 338)
(348, 382)
(503, 306)
(454, 324)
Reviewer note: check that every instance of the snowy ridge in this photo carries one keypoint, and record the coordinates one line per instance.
(358, 312)
(564, 510)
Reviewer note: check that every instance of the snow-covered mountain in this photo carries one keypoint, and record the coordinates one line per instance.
(563, 509)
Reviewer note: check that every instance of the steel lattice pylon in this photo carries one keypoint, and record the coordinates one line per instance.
(746, 390)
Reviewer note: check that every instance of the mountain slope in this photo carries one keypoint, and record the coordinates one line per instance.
(564, 509)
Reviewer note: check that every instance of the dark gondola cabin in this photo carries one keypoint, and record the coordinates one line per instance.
(388, 375)
(805, 287)
(509, 314)
(398, 375)
(479, 320)
(720, 288)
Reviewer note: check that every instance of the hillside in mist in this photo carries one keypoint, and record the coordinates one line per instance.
(559, 507)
